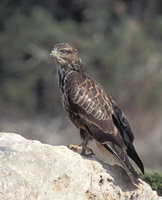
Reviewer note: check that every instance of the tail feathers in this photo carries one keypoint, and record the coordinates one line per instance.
(134, 156)
(123, 158)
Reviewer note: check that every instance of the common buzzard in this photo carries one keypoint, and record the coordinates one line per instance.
(93, 110)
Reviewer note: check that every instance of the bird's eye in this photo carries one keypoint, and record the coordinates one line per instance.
(62, 51)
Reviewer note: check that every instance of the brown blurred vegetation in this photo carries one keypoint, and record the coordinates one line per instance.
(119, 41)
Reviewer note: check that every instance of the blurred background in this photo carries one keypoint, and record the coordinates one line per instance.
(121, 43)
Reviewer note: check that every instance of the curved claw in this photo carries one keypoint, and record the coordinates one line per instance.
(81, 149)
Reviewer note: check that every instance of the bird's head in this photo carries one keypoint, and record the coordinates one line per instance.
(64, 53)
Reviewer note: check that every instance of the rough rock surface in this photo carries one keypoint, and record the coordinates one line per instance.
(30, 170)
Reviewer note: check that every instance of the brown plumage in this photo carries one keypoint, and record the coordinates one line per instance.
(93, 111)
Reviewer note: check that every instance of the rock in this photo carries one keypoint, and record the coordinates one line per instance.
(31, 170)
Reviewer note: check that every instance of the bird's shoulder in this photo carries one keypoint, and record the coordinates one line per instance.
(83, 89)
(95, 105)
(90, 100)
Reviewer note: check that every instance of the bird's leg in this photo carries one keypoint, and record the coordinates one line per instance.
(82, 148)
(85, 148)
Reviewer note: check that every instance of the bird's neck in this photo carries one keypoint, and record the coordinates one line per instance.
(62, 71)
(76, 65)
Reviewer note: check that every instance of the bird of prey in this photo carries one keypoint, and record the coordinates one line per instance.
(93, 111)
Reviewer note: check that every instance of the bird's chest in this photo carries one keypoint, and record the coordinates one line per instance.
(62, 75)
(63, 78)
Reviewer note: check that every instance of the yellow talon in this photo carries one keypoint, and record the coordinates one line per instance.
(76, 148)
(85, 151)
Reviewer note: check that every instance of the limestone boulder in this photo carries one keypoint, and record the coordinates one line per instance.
(30, 170)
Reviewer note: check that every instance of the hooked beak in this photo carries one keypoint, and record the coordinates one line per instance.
(53, 53)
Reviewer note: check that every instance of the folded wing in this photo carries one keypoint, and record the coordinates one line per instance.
(102, 118)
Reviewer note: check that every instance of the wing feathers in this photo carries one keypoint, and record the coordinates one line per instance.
(102, 118)
(127, 135)
(134, 156)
